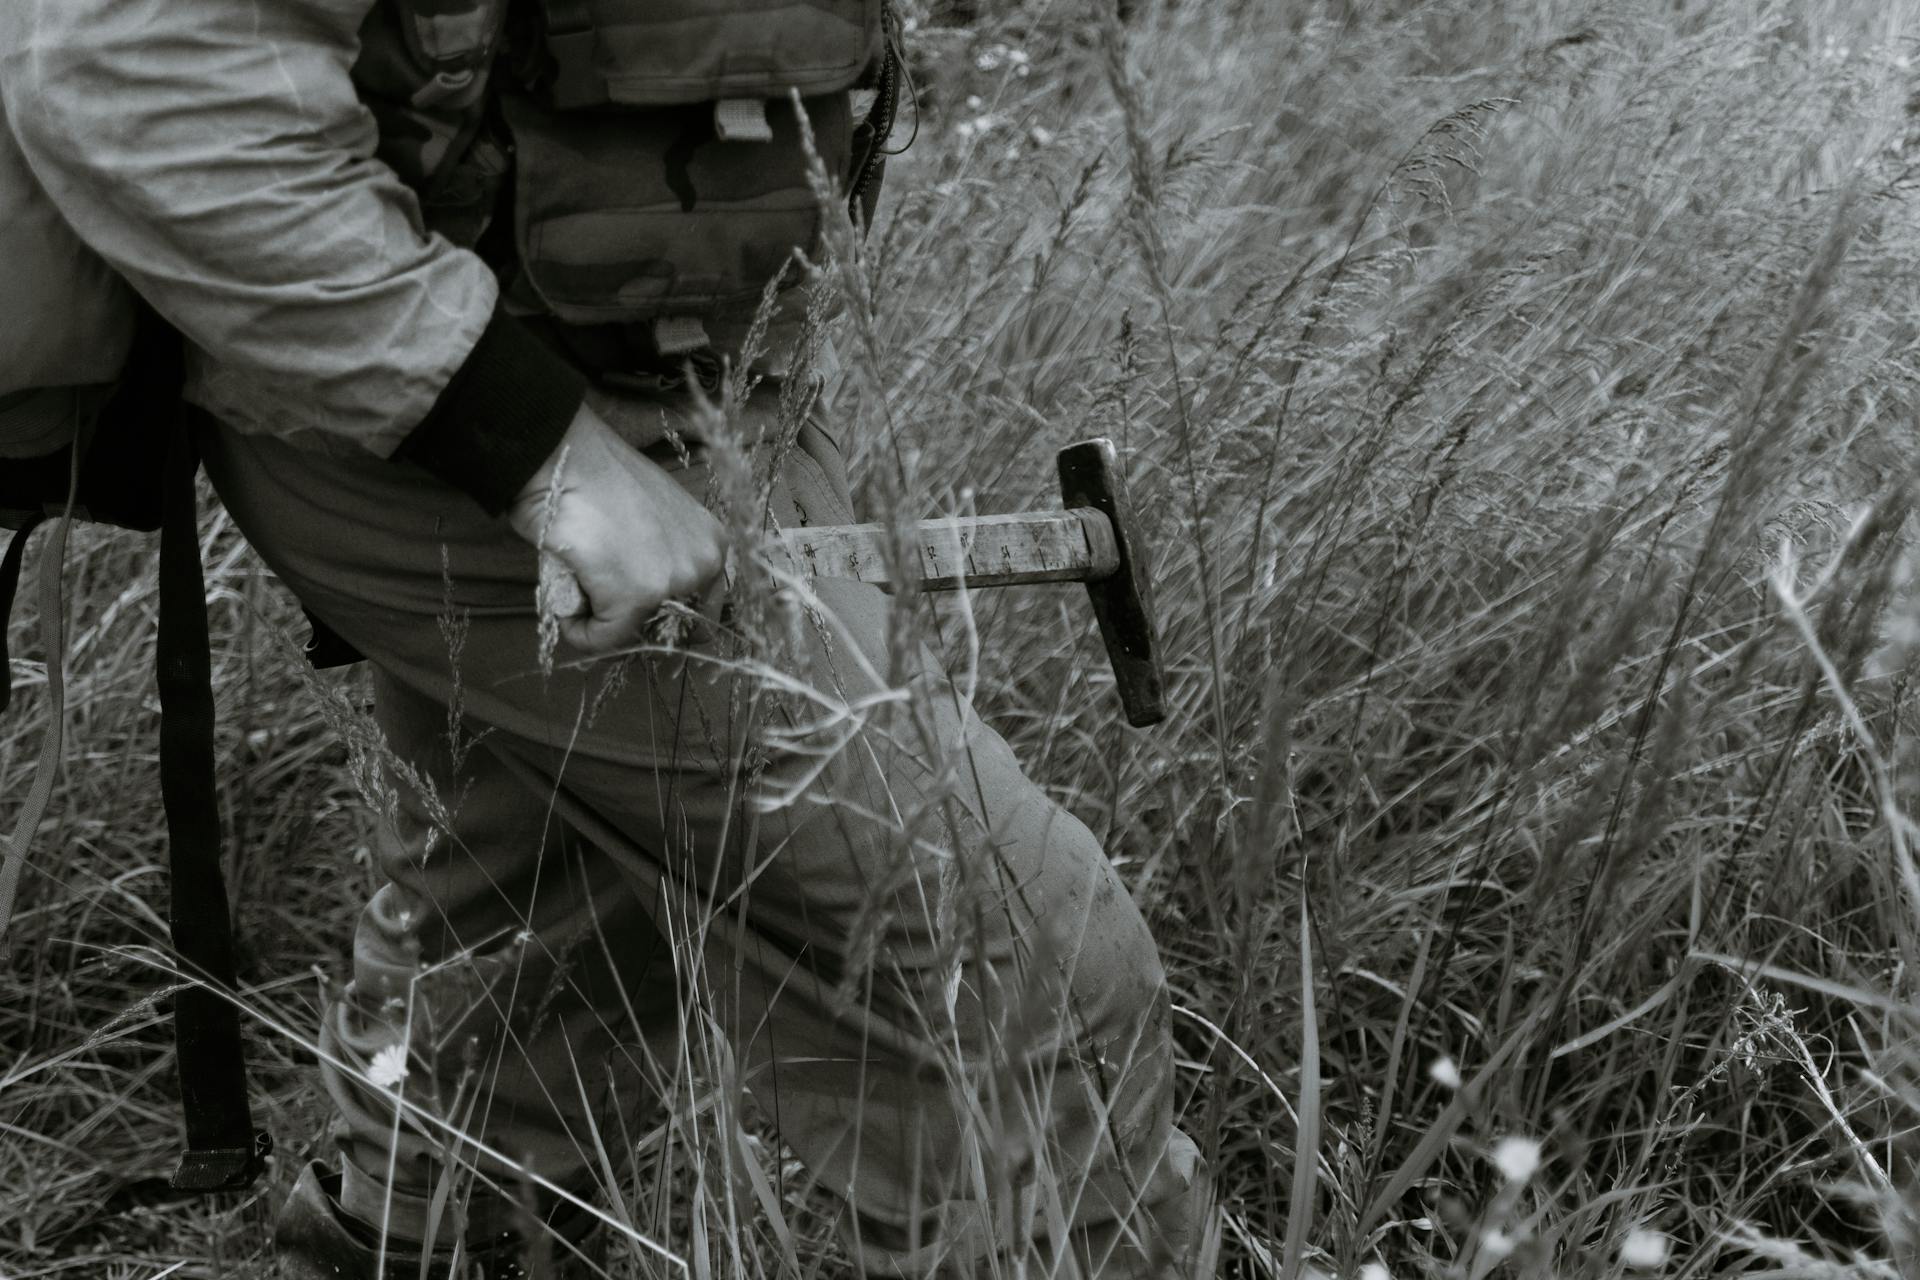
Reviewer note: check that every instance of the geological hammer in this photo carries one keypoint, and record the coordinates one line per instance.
(1091, 541)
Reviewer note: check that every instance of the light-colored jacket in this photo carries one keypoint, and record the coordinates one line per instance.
(215, 155)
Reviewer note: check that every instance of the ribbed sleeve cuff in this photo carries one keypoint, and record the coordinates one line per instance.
(500, 417)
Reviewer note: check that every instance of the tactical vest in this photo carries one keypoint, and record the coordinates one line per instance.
(657, 167)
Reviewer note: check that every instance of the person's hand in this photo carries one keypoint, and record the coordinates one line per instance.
(631, 536)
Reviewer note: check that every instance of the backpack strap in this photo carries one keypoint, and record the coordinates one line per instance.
(225, 1152)
(9, 587)
(13, 859)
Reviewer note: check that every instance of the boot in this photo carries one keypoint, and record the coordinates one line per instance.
(316, 1240)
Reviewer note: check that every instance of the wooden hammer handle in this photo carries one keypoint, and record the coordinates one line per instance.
(982, 551)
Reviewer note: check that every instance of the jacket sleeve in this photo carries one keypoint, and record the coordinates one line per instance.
(215, 154)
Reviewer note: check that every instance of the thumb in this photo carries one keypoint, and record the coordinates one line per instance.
(560, 594)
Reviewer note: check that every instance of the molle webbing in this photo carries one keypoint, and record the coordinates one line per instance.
(655, 53)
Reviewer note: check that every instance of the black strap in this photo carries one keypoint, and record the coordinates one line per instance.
(224, 1150)
(10, 587)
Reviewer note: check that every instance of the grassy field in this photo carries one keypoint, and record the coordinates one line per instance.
(1520, 395)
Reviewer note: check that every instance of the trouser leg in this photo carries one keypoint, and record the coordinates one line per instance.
(528, 984)
(969, 1039)
(925, 970)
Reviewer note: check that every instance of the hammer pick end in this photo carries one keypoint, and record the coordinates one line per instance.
(1122, 601)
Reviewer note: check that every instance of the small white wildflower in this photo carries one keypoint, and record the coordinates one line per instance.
(1022, 70)
(1444, 1071)
(1495, 1243)
(1644, 1249)
(964, 129)
(389, 1067)
(1042, 137)
(975, 102)
(989, 59)
(1375, 1271)
(1518, 1159)
(1018, 57)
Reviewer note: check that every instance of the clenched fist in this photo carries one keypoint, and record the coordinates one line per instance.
(632, 537)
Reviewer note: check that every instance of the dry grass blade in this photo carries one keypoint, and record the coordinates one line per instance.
(1306, 1146)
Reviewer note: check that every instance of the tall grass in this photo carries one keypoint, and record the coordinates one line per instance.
(1520, 401)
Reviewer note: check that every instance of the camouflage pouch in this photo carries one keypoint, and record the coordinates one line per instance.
(625, 216)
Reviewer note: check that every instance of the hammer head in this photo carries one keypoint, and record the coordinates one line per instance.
(1122, 601)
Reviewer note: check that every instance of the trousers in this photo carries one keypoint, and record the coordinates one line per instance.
(802, 875)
